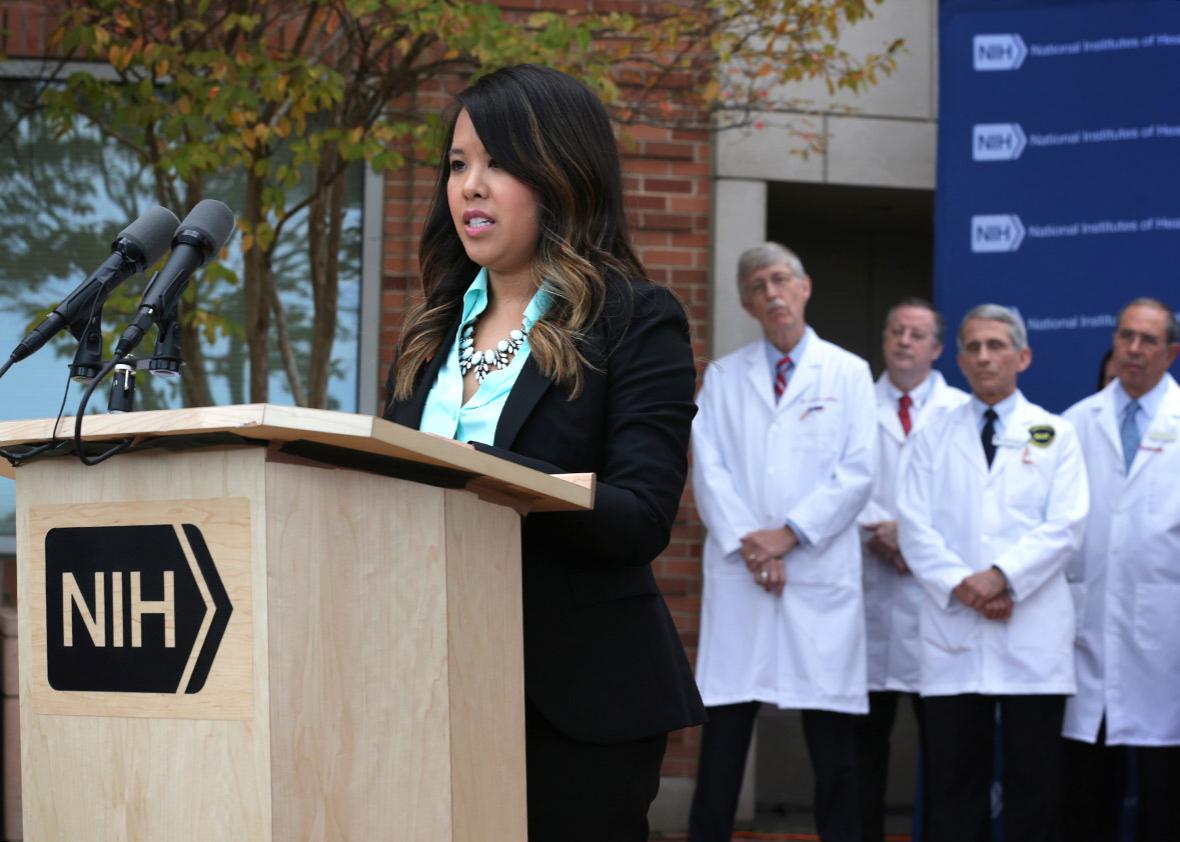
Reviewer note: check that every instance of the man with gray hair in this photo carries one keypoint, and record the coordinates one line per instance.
(992, 504)
(1126, 586)
(783, 448)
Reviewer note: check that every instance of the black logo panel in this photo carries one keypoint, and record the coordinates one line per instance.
(124, 609)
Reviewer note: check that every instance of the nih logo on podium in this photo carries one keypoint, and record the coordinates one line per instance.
(132, 609)
(998, 52)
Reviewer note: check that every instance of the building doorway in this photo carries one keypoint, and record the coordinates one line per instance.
(864, 247)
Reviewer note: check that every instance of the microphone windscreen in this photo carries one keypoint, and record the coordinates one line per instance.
(212, 218)
(152, 233)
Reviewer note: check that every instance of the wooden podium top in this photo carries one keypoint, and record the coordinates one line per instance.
(360, 441)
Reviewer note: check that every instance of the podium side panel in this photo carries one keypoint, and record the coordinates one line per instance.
(110, 776)
(486, 657)
(359, 672)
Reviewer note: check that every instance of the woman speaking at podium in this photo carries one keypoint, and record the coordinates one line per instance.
(539, 340)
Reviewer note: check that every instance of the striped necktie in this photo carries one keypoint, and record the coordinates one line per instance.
(782, 373)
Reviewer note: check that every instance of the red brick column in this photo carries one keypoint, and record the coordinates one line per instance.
(25, 27)
(667, 184)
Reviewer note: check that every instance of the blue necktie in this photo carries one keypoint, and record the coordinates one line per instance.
(1129, 433)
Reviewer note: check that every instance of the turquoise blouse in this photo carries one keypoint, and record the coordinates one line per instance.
(445, 413)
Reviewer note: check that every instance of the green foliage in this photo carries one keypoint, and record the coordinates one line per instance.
(211, 90)
(220, 89)
(289, 94)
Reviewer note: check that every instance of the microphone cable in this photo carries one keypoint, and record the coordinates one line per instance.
(120, 445)
(17, 459)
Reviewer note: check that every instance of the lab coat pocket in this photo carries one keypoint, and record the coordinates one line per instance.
(1029, 492)
(1161, 502)
(1157, 616)
(949, 630)
(819, 425)
(1046, 623)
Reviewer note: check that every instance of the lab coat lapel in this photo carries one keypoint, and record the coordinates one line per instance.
(935, 403)
(1107, 422)
(887, 411)
(758, 374)
(965, 436)
(806, 373)
(1166, 423)
(1009, 453)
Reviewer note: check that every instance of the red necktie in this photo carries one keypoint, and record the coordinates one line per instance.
(781, 370)
(903, 412)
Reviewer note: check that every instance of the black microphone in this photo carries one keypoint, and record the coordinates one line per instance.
(201, 235)
(137, 247)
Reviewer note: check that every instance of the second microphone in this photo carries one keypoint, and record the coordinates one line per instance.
(200, 236)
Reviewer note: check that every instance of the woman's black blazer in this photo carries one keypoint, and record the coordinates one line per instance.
(603, 661)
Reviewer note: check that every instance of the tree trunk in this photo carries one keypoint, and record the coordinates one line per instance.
(286, 351)
(255, 292)
(325, 221)
(194, 380)
(194, 377)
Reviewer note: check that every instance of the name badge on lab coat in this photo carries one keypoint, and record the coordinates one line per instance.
(1008, 441)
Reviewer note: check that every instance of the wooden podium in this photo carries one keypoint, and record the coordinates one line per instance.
(271, 623)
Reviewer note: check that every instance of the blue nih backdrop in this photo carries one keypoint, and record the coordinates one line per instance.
(1058, 173)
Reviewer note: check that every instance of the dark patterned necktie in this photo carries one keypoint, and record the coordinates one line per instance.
(989, 434)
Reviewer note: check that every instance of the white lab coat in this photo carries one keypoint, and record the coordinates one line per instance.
(892, 600)
(1026, 516)
(1127, 581)
(756, 464)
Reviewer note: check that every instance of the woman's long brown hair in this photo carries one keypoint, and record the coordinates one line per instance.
(551, 132)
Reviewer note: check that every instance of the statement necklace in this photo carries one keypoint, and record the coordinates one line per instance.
(484, 361)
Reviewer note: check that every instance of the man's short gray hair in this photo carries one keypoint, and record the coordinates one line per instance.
(767, 254)
(998, 313)
(1171, 331)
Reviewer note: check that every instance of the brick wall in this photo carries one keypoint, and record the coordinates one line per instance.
(667, 182)
(667, 186)
(25, 27)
